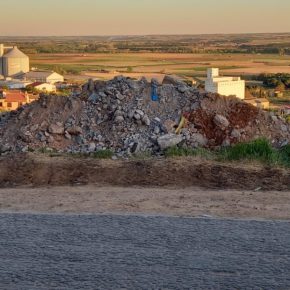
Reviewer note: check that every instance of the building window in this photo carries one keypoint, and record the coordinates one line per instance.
(9, 105)
(1, 104)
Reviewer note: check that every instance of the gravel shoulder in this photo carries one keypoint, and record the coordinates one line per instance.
(193, 201)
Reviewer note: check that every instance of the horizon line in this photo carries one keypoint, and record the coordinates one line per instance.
(157, 34)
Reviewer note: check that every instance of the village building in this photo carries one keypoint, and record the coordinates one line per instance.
(261, 103)
(226, 86)
(12, 100)
(43, 76)
(44, 87)
(12, 84)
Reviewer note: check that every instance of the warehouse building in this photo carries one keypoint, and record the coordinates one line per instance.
(43, 76)
(44, 87)
(226, 86)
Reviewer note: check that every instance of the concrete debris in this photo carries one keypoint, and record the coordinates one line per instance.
(169, 140)
(56, 129)
(221, 121)
(119, 115)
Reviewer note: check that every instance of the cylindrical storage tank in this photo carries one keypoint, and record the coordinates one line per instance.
(15, 62)
(1, 65)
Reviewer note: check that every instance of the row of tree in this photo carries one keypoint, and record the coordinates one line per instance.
(280, 81)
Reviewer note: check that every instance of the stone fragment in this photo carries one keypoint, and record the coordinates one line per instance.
(236, 134)
(146, 120)
(120, 97)
(119, 119)
(91, 147)
(74, 130)
(221, 121)
(169, 140)
(199, 139)
(56, 129)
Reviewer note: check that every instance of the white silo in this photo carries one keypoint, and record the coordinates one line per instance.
(15, 62)
(1, 55)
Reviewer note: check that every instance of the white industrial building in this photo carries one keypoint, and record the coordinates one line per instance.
(226, 86)
(13, 62)
(45, 87)
(43, 76)
(14, 84)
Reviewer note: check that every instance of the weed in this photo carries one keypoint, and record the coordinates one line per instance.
(103, 154)
(259, 149)
(183, 151)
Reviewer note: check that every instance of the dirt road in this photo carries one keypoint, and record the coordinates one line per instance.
(152, 201)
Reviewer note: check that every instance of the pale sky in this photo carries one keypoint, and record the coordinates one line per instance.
(135, 17)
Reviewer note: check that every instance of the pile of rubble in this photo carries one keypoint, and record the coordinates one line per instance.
(120, 115)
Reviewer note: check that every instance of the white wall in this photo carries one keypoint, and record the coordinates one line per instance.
(14, 66)
(54, 78)
(226, 86)
(235, 88)
(46, 87)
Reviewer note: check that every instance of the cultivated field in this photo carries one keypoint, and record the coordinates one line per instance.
(106, 66)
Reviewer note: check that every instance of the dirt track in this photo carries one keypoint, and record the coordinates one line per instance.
(155, 201)
(42, 170)
(186, 187)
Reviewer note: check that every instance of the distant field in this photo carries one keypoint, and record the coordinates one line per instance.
(137, 64)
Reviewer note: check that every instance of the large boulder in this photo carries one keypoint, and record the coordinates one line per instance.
(169, 140)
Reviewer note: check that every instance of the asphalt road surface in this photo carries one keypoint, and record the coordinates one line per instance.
(137, 252)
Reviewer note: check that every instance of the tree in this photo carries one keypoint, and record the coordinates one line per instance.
(280, 87)
(129, 69)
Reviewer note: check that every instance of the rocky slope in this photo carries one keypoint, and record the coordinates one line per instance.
(119, 115)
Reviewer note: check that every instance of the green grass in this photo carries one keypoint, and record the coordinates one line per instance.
(285, 155)
(182, 151)
(103, 154)
(257, 150)
(44, 150)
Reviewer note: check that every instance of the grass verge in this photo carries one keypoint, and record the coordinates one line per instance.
(257, 150)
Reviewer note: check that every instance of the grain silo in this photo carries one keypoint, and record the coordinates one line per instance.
(14, 62)
(1, 55)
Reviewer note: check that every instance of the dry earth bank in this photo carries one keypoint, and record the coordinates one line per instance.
(42, 170)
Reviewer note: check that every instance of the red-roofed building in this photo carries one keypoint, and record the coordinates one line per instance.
(11, 100)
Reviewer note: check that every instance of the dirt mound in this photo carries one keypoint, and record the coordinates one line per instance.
(120, 115)
(40, 170)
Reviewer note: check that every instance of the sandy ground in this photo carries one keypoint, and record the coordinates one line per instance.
(192, 201)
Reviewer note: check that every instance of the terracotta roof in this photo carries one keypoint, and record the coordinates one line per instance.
(16, 96)
(36, 84)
